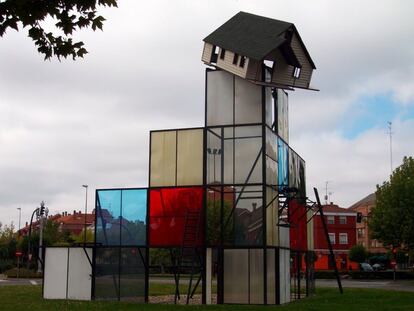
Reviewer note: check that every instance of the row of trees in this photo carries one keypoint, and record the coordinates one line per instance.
(392, 219)
(11, 242)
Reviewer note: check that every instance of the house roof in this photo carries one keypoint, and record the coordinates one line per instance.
(369, 199)
(252, 35)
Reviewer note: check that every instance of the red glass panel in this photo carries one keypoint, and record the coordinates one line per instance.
(298, 226)
(168, 209)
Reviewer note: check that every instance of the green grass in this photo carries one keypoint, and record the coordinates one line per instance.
(15, 298)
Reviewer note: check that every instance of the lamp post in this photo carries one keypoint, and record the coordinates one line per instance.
(86, 211)
(18, 234)
(43, 212)
(214, 152)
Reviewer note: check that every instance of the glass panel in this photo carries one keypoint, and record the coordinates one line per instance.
(247, 217)
(220, 88)
(248, 102)
(256, 276)
(298, 230)
(271, 276)
(302, 180)
(107, 273)
(214, 154)
(271, 144)
(271, 172)
(293, 169)
(248, 151)
(108, 217)
(270, 107)
(283, 163)
(236, 276)
(272, 237)
(134, 214)
(132, 277)
(190, 157)
(168, 209)
(163, 159)
(282, 115)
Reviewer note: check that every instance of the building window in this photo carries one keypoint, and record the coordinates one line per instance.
(235, 58)
(343, 238)
(331, 220)
(360, 232)
(342, 220)
(222, 53)
(242, 61)
(332, 238)
(296, 73)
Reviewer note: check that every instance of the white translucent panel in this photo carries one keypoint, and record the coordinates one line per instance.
(271, 276)
(190, 157)
(220, 90)
(55, 274)
(236, 276)
(163, 159)
(79, 274)
(284, 270)
(209, 274)
(229, 163)
(284, 236)
(270, 107)
(248, 102)
(283, 115)
(272, 229)
(256, 276)
(271, 144)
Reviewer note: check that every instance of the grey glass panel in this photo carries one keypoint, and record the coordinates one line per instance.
(220, 85)
(302, 178)
(248, 216)
(270, 107)
(282, 115)
(248, 159)
(271, 172)
(236, 276)
(108, 217)
(271, 144)
(293, 169)
(229, 160)
(134, 214)
(132, 277)
(214, 154)
(248, 102)
(256, 276)
(107, 273)
(271, 276)
(283, 164)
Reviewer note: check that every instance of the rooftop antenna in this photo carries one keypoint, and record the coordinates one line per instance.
(390, 133)
(326, 192)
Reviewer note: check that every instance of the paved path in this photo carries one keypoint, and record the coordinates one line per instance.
(4, 282)
(399, 285)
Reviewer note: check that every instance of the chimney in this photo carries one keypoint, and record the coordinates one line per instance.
(74, 212)
(80, 212)
(331, 203)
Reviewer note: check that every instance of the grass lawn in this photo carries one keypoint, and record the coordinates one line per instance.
(15, 298)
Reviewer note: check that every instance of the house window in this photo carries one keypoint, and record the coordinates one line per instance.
(342, 220)
(343, 238)
(296, 73)
(331, 220)
(332, 238)
(242, 61)
(222, 53)
(235, 58)
(360, 233)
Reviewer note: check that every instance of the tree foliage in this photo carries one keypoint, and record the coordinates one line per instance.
(392, 219)
(358, 253)
(67, 15)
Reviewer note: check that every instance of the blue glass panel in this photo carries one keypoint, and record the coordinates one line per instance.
(108, 217)
(283, 163)
(134, 214)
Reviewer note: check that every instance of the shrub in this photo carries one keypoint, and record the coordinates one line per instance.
(23, 273)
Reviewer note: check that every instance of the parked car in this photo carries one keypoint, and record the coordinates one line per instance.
(366, 267)
(378, 267)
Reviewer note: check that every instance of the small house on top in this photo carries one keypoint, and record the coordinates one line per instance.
(249, 44)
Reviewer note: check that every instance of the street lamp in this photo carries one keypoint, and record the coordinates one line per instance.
(86, 211)
(214, 152)
(20, 216)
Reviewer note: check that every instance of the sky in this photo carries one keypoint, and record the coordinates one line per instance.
(65, 124)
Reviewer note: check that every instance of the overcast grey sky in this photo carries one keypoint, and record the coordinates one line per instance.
(87, 122)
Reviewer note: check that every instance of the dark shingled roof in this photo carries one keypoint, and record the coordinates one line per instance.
(252, 35)
(369, 199)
